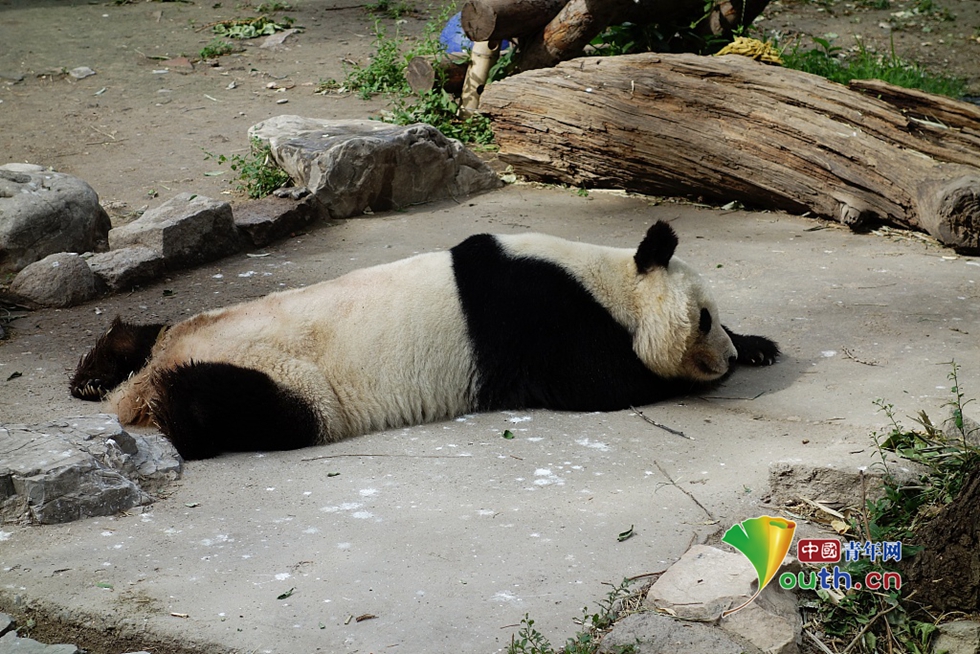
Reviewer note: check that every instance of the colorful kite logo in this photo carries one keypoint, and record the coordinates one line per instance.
(764, 541)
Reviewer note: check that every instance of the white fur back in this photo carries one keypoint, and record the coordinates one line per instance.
(379, 347)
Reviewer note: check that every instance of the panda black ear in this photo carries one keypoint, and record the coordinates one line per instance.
(657, 248)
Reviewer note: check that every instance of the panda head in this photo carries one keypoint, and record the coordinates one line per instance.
(678, 333)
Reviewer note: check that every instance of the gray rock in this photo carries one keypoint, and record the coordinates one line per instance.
(44, 212)
(184, 231)
(837, 484)
(970, 432)
(706, 582)
(271, 218)
(652, 633)
(6, 623)
(10, 643)
(356, 165)
(57, 280)
(703, 584)
(959, 637)
(121, 270)
(79, 467)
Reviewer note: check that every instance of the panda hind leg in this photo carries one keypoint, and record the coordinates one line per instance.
(122, 350)
(209, 408)
(754, 350)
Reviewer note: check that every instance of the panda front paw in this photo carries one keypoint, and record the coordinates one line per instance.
(754, 350)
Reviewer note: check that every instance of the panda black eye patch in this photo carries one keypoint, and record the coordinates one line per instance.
(705, 324)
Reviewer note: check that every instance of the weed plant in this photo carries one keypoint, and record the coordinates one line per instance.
(257, 173)
(885, 621)
(529, 640)
(827, 61)
(385, 74)
(216, 48)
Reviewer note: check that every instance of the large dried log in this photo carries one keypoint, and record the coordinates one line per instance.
(729, 128)
(579, 21)
(425, 73)
(569, 32)
(496, 20)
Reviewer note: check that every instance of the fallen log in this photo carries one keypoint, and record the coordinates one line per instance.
(495, 20)
(568, 32)
(729, 128)
(426, 73)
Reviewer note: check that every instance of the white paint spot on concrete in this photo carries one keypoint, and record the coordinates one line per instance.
(283, 576)
(504, 596)
(517, 419)
(5, 535)
(595, 445)
(368, 492)
(827, 354)
(346, 506)
(343, 546)
(362, 515)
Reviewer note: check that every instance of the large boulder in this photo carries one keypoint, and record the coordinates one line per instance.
(57, 280)
(184, 231)
(43, 212)
(355, 165)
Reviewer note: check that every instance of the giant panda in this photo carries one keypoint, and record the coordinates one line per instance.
(496, 322)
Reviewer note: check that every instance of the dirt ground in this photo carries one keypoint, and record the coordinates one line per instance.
(138, 131)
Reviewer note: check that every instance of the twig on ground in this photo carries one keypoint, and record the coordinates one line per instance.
(675, 432)
(674, 484)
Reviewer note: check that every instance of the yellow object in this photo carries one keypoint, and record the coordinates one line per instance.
(754, 48)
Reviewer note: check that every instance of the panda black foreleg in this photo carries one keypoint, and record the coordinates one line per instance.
(122, 350)
(209, 408)
(753, 350)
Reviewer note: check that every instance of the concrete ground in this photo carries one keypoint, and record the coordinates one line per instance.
(447, 535)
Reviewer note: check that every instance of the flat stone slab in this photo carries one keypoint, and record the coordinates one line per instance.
(121, 270)
(184, 231)
(706, 582)
(271, 218)
(356, 165)
(79, 467)
(838, 484)
(653, 633)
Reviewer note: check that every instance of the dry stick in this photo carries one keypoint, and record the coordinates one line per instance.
(657, 424)
(868, 626)
(674, 484)
(818, 643)
(406, 456)
(867, 534)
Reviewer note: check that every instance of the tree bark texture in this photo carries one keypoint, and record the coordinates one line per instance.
(946, 573)
(729, 128)
(568, 33)
(425, 73)
(555, 30)
(496, 20)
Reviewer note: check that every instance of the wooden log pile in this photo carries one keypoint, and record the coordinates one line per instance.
(729, 128)
(549, 31)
